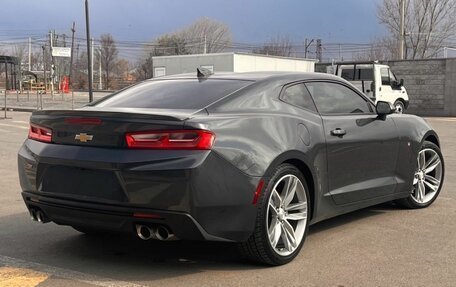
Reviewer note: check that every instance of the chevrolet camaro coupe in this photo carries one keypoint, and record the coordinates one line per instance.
(252, 158)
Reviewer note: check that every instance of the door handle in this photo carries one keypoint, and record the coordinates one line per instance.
(338, 132)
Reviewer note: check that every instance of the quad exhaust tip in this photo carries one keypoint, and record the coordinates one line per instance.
(159, 232)
(38, 215)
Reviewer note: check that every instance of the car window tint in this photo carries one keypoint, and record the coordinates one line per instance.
(384, 73)
(332, 98)
(298, 95)
(173, 94)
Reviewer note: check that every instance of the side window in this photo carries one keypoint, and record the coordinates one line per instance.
(332, 98)
(392, 77)
(298, 95)
(384, 73)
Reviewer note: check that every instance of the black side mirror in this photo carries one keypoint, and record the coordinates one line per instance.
(401, 82)
(385, 108)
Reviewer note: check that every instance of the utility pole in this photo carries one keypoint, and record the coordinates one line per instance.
(44, 68)
(30, 54)
(71, 59)
(89, 55)
(51, 42)
(93, 59)
(100, 84)
(402, 31)
(318, 52)
(306, 46)
(205, 44)
(70, 77)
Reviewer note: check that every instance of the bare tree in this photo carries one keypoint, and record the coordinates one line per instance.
(143, 68)
(281, 45)
(381, 49)
(206, 35)
(107, 53)
(428, 24)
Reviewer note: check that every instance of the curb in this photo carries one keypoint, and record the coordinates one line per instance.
(18, 109)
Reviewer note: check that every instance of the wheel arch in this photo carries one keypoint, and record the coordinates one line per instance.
(300, 161)
(432, 137)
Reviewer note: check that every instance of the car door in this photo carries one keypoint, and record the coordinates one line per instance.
(389, 90)
(362, 148)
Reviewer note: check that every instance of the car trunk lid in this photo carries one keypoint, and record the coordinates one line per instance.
(107, 128)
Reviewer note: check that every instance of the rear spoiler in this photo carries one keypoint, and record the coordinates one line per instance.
(148, 114)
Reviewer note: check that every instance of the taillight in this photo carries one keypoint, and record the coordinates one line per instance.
(178, 139)
(40, 133)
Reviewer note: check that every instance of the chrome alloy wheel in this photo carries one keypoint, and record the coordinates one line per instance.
(428, 176)
(286, 216)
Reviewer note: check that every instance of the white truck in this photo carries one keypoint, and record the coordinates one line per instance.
(375, 80)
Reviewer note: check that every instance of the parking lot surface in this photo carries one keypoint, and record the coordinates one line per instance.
(378, 246)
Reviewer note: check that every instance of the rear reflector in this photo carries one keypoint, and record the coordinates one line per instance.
(258, 190)
(178, 139)
(40, 133)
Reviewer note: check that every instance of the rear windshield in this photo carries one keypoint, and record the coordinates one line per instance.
(173, 94)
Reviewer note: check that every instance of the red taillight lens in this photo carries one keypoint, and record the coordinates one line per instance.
(40, 133)
(179, 139)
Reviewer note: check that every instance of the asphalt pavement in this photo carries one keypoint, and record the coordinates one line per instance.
(378, 246)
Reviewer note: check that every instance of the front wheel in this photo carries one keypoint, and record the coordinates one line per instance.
(400, 107)
(428, 178)
(282, 218)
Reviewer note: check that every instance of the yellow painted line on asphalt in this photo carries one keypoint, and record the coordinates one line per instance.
(14, 126)
(72, 275)
(20, 277)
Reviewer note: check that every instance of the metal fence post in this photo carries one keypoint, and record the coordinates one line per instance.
(4, 92)
(37, 100)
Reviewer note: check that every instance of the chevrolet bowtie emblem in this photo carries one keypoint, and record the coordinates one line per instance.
(83, 137)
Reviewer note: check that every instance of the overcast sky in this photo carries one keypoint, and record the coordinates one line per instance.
(251, 21)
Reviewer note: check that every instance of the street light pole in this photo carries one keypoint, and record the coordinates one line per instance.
(402, 31)
(89, 54)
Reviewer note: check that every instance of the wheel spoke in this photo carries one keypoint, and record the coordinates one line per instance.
(273, 209)
(296, 206)
(297, 216)
(422, 191)
(290, 235)
(290, 190)
(276, 198)
(415, 180)
(421, 160)
(275, 231)
(431, 182)
(431, 165)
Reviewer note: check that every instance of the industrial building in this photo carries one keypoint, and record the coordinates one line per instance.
(229, 62)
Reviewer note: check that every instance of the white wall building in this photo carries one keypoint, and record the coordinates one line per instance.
(229, 62)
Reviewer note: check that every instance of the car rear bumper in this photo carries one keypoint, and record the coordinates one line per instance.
(197, 194)
(115, 218)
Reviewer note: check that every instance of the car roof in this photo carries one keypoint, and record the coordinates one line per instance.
(257, 76)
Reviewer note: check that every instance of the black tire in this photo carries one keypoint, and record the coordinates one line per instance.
(257, 248)
(410, 202)
(400, 106)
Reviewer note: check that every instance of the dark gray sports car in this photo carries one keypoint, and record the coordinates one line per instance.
(252, 158)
